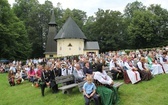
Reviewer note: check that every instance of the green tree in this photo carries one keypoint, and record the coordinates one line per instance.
(76, 14)
(131, 7)
(13, 36)
(87, 28)
(36, 18)
(127, 18)
(141, 29)
(161, 29)
(106, 28)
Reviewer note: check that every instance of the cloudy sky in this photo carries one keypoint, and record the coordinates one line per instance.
(91, 6)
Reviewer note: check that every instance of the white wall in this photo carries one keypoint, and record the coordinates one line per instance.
(64, 50)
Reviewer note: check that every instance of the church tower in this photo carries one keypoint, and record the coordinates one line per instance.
(51, 45)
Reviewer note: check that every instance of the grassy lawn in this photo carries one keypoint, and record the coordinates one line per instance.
(153, 92)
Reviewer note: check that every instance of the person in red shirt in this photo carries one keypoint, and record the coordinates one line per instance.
(38, 75)
(31, 75)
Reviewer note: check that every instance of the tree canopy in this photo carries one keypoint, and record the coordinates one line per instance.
(24, 27)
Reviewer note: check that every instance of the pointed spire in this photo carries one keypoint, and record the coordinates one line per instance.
(51, 45)
(52, 21)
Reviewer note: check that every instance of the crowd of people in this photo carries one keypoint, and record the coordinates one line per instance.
(136, 66)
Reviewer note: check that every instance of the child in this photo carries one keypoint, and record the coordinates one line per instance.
(89, 90)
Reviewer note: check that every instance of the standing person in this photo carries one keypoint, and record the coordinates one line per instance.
(55, 71)
(45, 79)
(104, 84)
(11, 78)
(89, 91)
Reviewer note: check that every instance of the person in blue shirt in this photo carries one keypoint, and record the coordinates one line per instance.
(89, 91)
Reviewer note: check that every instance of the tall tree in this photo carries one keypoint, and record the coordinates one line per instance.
(141, 29)
(79, 16)
(107, 29)
(131, 7)
(13, 36)
(36, 17)
(127, 18)
(161, 30)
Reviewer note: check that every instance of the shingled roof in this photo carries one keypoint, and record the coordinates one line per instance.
(52, 20)
(70, 30)
(51, 45)
(91, 45)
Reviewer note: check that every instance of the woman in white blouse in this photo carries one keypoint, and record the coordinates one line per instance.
(143, 70)
(132, 72)
(104, 87)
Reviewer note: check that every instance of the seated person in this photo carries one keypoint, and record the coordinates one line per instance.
(31, 75)
(24, 74)
(70, 68)
(144, 71)
(1, 69)
(87, 69)
(89, 91)
(104, 87)
(132, 71)
(153, 66)
(11, 78)
(18, 77)
(78, 73)
(164, 61)
(64, 69)
(116, 70)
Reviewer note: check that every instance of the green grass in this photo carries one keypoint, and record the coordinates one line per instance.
(153, 92)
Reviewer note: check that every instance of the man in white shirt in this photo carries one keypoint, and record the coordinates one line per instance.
(78, 73)
(116, 70)
(13, 68)
(64, 71)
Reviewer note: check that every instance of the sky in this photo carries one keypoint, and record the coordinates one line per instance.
(91, 6)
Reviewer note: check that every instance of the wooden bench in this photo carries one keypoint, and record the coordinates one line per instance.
(65, 80)
(110, 75)
(116, 84)
(107, 69)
